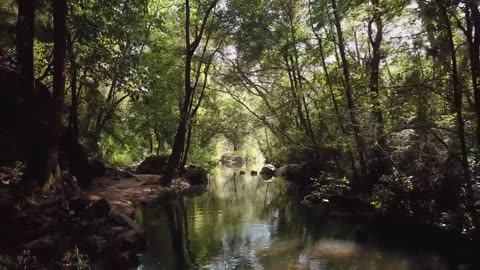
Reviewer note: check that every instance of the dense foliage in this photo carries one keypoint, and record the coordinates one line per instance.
(383, 93)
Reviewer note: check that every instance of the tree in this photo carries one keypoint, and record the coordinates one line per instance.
(190, 48)
(24, 42)
(349, 92)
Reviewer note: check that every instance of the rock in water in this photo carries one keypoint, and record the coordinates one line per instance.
(231, 160)
(292, 172)
(153, 165)
(196, 175)
(268, 169)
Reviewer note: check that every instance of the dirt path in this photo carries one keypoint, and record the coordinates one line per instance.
(125, 193)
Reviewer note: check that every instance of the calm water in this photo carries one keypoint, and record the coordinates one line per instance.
(242, 222)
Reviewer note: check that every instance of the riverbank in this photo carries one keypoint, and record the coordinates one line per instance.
(74, 228)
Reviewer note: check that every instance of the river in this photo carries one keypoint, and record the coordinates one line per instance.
(244, 222)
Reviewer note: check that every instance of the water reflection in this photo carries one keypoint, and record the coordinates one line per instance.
(243, 222)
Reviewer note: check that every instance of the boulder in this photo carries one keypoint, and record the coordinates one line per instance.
(97, 168)
(79, 203)
(291, 172)
(95, 244)
(125, 260)
(132, 240)
(196, 175)
(100, 208)
(124, 220)
(121, 173)
(153, 165)
(7, 176)
(8, 209)
(74, 157)
(230, 160)
(268, 169)
(46, 242)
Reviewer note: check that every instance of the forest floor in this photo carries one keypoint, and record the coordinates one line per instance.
(67, 229)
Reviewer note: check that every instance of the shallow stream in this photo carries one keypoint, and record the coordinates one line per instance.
(243, 222)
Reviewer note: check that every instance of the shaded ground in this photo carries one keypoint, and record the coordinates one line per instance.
(124, 194)
(75, 227)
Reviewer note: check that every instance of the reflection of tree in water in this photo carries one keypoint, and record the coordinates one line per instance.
(177, 231)
(243, 222)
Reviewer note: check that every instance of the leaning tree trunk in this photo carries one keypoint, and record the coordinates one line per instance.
(349, 93)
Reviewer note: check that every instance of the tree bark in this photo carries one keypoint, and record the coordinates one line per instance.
(349, 93)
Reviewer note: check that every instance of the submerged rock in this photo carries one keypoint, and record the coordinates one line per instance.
(253, 173)
(153, 165)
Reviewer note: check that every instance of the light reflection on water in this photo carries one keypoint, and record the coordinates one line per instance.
(239, 224)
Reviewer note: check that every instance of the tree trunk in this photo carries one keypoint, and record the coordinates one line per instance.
(335, 102)
(473, 36)
(349, 94)
(331, 89)
(150, 143)
(190, 47)
(179, 143)
(381, 164)
(52, 174)
(457, 103)
(73, 115)
(24, 47)
(187, 147)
